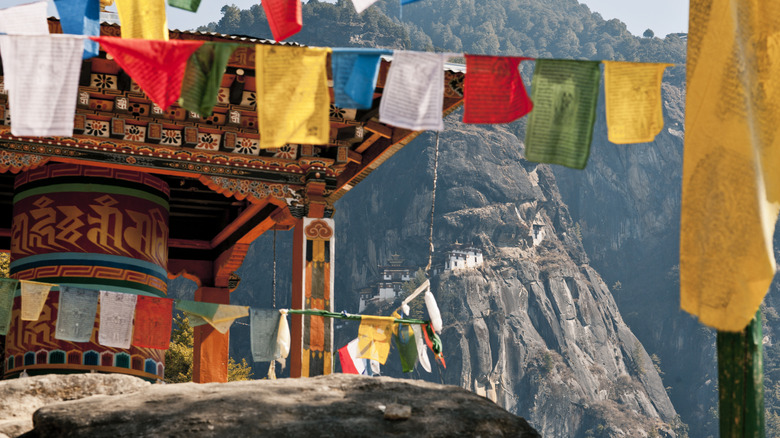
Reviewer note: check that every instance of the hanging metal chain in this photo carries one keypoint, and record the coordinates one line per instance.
(433, 201)
(273, 280)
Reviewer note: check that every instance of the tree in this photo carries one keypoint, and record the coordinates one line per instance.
(179, 357)
(648, 33)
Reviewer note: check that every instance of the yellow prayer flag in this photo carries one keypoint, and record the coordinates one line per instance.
(143, 19)
(374, 337)
(34, 296)
(731, 180)
(223, 318)
(633, 97)
(292, 95)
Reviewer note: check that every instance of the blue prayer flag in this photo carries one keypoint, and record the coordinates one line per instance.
(81, 17)
(354, 76)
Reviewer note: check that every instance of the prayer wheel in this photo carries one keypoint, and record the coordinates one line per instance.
(88, 227)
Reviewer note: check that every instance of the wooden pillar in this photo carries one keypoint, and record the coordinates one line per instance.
(211, 348)
(741, 382)
(311, 352)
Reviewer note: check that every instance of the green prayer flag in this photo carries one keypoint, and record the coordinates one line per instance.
(7, 291)
(188, 5)
(197, 308)
(407, 346)
(203, 77)
(560, 127)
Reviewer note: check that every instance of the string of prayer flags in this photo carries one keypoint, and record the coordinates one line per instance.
(633, 100)
(731, 183)
(374, 337)
(153, 322)
(42, 76)
(7, 291)
(81, 17)
(25, 19)
(219, 316)
(34, 296)
(403, 335)
(413, 97)
(143, 19)
(362, 5)
(422, 351)
(349, 356)
(355, 72)
(433, 310)
(560, 127)
(203, 77)
(292, 95)
(156, 66)
(493, 91)
(116, 319)
(263, 332)
(76, 314)
(285, 17)
(187, 5)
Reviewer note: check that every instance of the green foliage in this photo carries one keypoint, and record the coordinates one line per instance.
(417, 305)
(637, 364)
(657, 364)
(179, 357)
(5, 262)
(547, 363)
(648, 33)
(617, 286)
(679, 428)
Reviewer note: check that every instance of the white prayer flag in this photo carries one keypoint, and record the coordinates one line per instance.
(26, 19)
(422, 349)
(362, 5)
(414, 91)
(42, 79)
(116, 319)
(433, 311)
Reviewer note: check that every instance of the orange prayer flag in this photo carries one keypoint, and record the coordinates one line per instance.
(153, 322)
(156, 66)
(284, 17)
(493, 90)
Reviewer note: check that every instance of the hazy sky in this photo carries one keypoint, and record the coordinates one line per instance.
(663, 16)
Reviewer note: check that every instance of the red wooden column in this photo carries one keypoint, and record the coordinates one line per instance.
(311, 352)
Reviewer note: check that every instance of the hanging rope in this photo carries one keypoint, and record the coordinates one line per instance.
(433, 202)
(273, 280)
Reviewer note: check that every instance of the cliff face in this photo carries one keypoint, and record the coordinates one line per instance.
(535, 328)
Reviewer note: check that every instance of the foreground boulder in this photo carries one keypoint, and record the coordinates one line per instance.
(19, 398)
(328, 406)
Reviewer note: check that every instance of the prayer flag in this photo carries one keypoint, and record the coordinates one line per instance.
(7, 291)
(116, 319)
(42, 79)
(434, 342)
(34, 296)
(362, 5)
(493, 90)
(187, 5)
(413, 97)
(355, 73)
(422, 350)
(292, 95)
(284, 17)
(81, 17)
(143, 19)
(219, 316)
(156, 66)
(433, 310)
(560, 127)
(349, 356)
(633, 96)
(407, 346)
(731, 182)
(76, 314)
(374, 337)
(26, 19)
(153, 322)
(264, 330)
(203, 77)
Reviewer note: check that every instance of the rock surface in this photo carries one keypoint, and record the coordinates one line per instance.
(327, 406)
(19, 398)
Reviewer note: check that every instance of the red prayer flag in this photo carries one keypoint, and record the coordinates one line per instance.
(493, 90)
(156, 66)
(153, 322)
(284, 17)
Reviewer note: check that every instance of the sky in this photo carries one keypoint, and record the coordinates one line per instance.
(662, 16)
